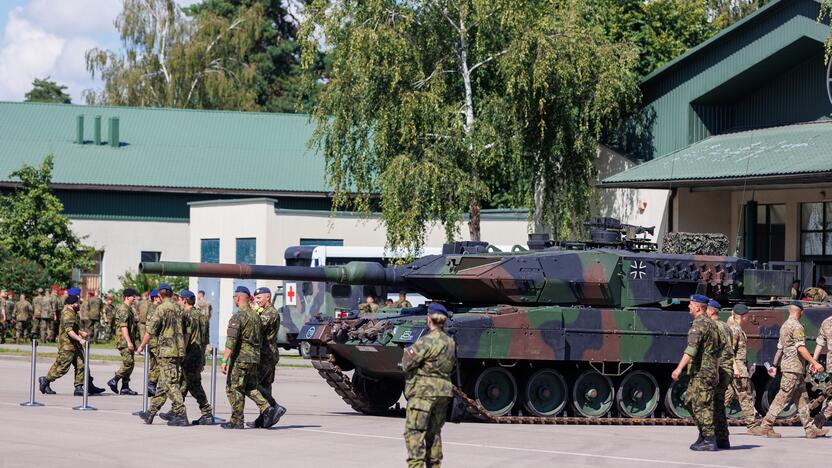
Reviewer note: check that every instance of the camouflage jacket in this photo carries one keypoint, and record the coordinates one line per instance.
(726, 351)
(204, 307)
(169, 327)
(107, 313)
(2, 308)
(269, 324)
(125, 318)
(151, 313)
(703, 347)
(428, 364)
(94, 306)
(144, 308)
(69, 321)
(37, 306)
(198, 338)
(405, 304)
(57, 305)
(792, 337)
(739, 341)
(368, 308)
(10, 309)
(244, 336)
(83, 310)
(825, 339)
(22, 311)
(46, 309)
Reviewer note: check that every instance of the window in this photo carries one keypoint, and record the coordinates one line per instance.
(341, 290)
(329, 242)
(209, 251)
(768, 239)
(151, 256)
(247, 250)
(816, 229)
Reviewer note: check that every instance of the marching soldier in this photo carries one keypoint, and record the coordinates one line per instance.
(240, 362)
(71, 340)
(700, 360)
(94, 306)
(269, 352)
(167, 324)
(726, 374)
(428, 364)
(790, 348)
(824, 341)
(403, 303)
(23, 319)
(126, 338)
(195, 357)
(740, 387)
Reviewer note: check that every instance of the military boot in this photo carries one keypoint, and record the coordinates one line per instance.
(765, 431)
(95, 390)
(44, 386)
(204, 420)
(231, 425)
(126, 390)
(146, 416)
(814, 432)
(723, 444)
(180, 421)
(698, 441)
(151, 389)
(257, 423)
(113, 384)
(169, 416)
(708, 444)
(79, 390)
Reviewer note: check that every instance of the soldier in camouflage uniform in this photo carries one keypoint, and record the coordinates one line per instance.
(47, 317)
(94, 307)
(203, 305)
(700, 359)
(824, 342)
(195, 356)
(153, 368)
(3, 319)
(740, 387)
(107, 318)
(428, 364)
(269, 352)
(403, 303)
(71, 341)
(242, 356)
(168, 325)
(37, 310)
(10, 321)
(369, 305)
(23, 319)
(726, 375)
(790, 348)
(126, 338)
(57, 304)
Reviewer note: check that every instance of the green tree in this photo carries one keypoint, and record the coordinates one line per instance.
(44, 90)
(168, 60)
(33, 227)
(422, 106)
(21, 275)
(143, 282)
(724, 13)
(275, 56)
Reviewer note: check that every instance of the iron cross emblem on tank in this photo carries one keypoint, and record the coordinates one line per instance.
(638, 269)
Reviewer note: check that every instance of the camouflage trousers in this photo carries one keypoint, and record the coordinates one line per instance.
(3, 326)
(106, 330)
(21, 330)
(169, 386)
(92, 328)
(46, 329)
(423, 430)
(740, 389)
(192, 370)
(66, 358)
(720, 418)
(153, 365)
(265, 373)
(792, 390)
(699, 399)
(241, 383)
(128, 363)
(825, 414)
(142, 329)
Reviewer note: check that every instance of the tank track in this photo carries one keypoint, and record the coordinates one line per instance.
(341, 383)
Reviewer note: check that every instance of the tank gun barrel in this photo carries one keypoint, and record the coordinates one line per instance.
(351, 273)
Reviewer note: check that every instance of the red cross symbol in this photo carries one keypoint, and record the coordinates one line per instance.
(291, 294)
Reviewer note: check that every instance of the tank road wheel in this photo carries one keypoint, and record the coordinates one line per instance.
(734, 411)
(674, 399)
(379, 394)
(772, 387)
(496, 390)
(593, 394)
(545, 393)
(637, 395)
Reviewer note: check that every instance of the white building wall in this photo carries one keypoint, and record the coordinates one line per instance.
(123, 241)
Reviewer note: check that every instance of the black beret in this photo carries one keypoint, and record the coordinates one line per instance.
(740, 309)
(71, 299)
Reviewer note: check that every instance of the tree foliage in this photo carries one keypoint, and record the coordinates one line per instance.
(33, 227)
(433, 104)
(142, 282)
(21, 275)
(724, 13)
(169, 60)
(275, 56)
(44, 90)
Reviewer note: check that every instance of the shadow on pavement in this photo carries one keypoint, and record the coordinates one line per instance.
(293, 426)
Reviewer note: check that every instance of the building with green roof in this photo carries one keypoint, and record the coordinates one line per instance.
(737, 131)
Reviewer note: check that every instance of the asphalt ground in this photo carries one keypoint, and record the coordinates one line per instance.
(320, 430)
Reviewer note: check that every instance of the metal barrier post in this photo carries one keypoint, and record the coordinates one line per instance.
(84, 403)
(214, 385)
(146, 372)
(32, 401)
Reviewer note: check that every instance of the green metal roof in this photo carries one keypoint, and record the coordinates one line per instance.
(165, 149)
(777, 154)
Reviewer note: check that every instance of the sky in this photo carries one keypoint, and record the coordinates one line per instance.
(48, 38)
